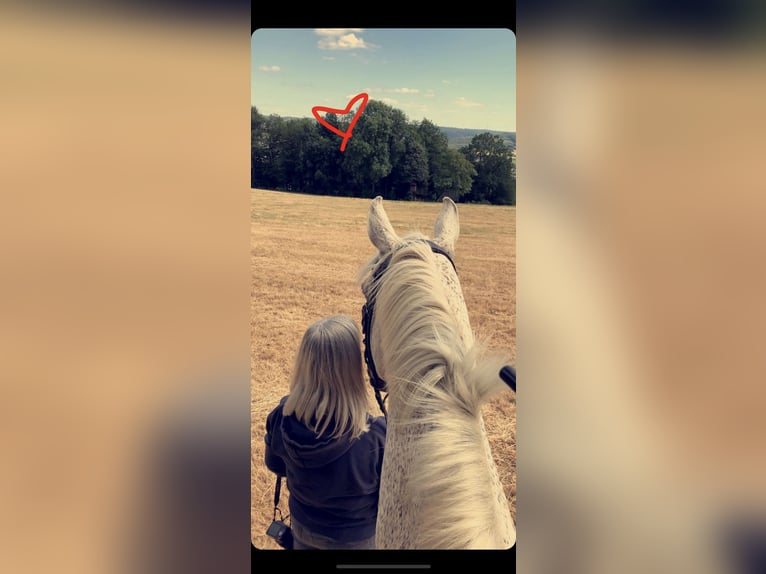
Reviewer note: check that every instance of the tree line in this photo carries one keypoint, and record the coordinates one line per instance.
(387, 155)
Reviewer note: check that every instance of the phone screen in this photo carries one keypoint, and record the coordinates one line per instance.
(383, 176)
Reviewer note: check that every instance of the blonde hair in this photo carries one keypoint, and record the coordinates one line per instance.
(327, 388)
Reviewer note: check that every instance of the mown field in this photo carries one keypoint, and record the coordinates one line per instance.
(305, 253)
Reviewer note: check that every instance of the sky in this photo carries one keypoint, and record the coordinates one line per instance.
(464, 78)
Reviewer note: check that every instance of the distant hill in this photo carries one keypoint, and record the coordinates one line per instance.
(459, 137)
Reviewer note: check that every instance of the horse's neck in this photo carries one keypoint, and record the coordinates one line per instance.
(398, 511)
(416, 511)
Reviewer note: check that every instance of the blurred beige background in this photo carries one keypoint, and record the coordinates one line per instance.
(640, 234)
(124, 234)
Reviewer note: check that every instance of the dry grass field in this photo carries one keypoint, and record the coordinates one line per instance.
(306, 251)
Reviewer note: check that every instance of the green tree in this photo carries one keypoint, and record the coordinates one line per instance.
(266, 150)
(387, 155)
(325, 161)
(454, 177)
(435, 142)
(258, 147)
(367, 158)
(409, 174)
(493, 162)
(450, 173)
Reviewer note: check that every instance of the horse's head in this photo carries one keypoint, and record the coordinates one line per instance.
(446, 232)
(431, 272)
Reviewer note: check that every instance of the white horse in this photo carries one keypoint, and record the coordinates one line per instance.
(439, 487)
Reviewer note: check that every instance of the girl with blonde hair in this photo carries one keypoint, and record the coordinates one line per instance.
(323, 439)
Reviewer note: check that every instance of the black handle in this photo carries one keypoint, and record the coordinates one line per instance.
(508, 374)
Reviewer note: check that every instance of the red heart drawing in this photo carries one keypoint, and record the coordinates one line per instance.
(347, 134)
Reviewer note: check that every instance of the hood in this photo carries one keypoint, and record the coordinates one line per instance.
(306, 450)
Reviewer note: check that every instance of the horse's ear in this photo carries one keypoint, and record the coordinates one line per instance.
(447, 227)
(379, 228)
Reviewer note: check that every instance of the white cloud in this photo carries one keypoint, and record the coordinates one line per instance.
(466, 103)
(328, 57)
(269, 68)
(335, 31)
(341, 39)
(446, 82)
(389, 101)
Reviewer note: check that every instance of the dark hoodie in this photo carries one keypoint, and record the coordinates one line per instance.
(333, 482)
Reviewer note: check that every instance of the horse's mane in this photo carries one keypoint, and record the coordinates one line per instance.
(437, 384)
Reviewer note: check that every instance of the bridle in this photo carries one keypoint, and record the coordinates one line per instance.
(507, 373)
